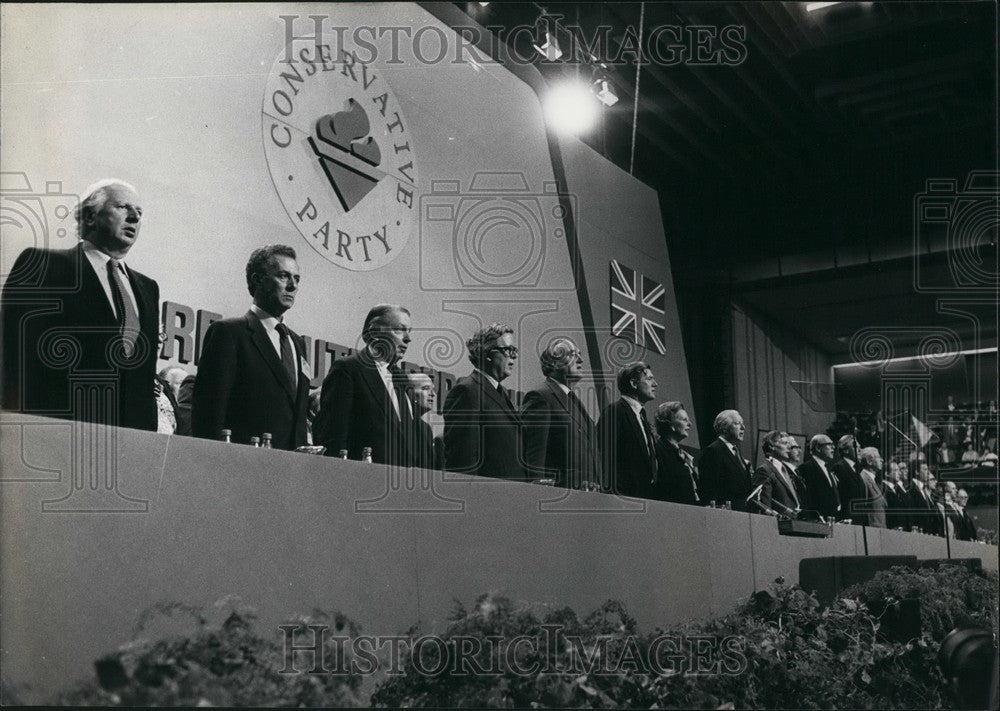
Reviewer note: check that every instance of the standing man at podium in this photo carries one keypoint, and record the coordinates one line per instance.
(626, 438)
(80, 325)
(482, 428)
(251, 377)
(724, 473)
(364, 401)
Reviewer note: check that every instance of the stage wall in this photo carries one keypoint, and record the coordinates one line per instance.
(193, 521)
(189, 104)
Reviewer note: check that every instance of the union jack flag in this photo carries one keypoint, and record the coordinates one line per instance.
(637, 308)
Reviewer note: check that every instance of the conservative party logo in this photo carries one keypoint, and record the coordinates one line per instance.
(340, 155)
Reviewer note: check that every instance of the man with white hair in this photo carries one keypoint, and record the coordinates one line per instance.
(560, 438)
(869, 510)
(724, 473)
(80, 325)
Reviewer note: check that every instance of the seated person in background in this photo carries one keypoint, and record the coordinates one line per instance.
(168, 382)
(363, 402)
(870, 509)
(723, 473)
(560, 439)
(777, 492)
(482, 428)
(968, 532)
(822, 493)
(251, 374)
(626, 439)
(426, 449)
(311, 412)
(677, 478)
(970, 457)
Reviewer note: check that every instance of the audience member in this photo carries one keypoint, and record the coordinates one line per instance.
(88, 303)
(363, 403)
(723, 473)
(677, 478)
(168, 382)
(251, 375)
(627, 442)
(560, 438)
(482, 428)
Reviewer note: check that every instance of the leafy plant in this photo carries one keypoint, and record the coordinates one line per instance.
(231, 664)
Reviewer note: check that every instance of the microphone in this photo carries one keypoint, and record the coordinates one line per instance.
(753, 498)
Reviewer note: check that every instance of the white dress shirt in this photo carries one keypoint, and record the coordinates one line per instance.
(99, 261)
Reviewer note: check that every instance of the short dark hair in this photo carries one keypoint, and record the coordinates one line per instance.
(259, 258)
(628, 373)
(376, 315)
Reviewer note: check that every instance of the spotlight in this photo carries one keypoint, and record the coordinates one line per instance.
(550, 50)
(605, 94)
(570, 108)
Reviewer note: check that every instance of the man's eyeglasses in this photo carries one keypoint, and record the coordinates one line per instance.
(509, 351)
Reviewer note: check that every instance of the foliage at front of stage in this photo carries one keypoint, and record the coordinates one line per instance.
(225, 664)
(779, 649)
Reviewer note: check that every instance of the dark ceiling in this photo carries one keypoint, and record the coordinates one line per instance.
(790, 179)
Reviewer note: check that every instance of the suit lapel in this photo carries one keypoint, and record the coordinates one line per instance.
(486, 387)
(90, 283)
(259, 338)
(372, 378)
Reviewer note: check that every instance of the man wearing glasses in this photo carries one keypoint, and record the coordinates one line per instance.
(482, 428)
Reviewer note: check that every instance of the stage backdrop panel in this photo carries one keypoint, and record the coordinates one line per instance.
(191, 104)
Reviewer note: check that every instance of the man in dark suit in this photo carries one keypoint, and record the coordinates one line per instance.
(923, 511)
(896, 497)
(969, 532)
(626, 439)
(822, 494)
(425, 448)
(777, 489)
(482, 428)
(676, 477)
(80, 326)
(364, 402)
(723, 473)
(251, 374)
(845, 468)
(560, 439)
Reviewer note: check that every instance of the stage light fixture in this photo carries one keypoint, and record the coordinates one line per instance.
(550, 50)
(814, 6)
(571, 108)
(605, 94)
